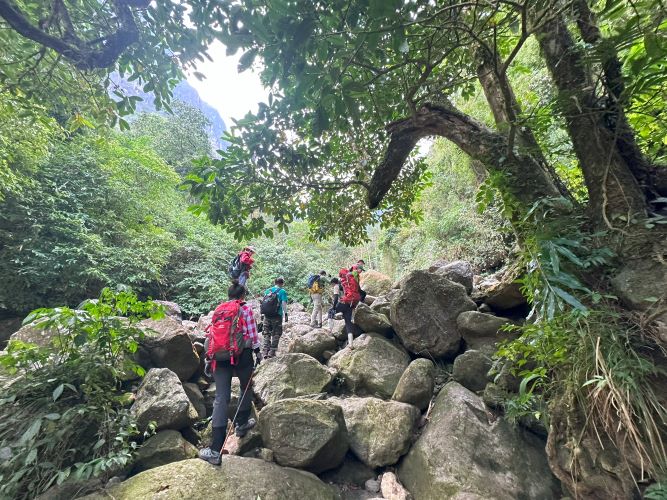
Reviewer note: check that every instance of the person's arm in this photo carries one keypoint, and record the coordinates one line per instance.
(251, 327)
(283, 299)
(336, 295)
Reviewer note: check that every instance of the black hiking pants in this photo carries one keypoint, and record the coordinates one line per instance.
(224, 371)
(347, 310)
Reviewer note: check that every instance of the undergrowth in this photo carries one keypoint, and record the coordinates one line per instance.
(580, 345)
(62, 413)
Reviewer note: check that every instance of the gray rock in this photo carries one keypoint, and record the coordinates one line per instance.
(314, 343)
(171, 309)
(162, 399)
(306, 434)
(372, 485)
(372, 368)
(375, 283)
(289, 376)
(351, 472)
(163, 448)
(482, 331)
(462, 453)
(471, 370)
(417, 383)
(196, 398)
(167, 345)
(502, 296)
(371, 321)
(382, 305)
(392, 489)
(425, 311)
(237, 478)
(458, 271)
(33, 334)
(379, 431)
(205, 321)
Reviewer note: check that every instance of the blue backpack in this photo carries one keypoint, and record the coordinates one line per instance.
(311, 279)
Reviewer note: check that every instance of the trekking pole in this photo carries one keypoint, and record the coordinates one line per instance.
(229, 433)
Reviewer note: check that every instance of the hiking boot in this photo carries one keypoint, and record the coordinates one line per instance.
(271, 353)
(242, 430)
(211, 456)
(265, 353)
(313, 324)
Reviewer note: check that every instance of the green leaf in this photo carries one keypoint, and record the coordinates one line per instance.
(570, 299)
(31, 432)
(58, 391)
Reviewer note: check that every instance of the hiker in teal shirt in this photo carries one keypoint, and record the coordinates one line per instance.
(273, 308)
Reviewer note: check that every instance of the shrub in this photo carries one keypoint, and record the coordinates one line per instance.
(62, 413)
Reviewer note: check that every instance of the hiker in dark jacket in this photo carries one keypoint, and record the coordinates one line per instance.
(222, 374)
(273, 319)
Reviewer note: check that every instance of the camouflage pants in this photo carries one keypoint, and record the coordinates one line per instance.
(273, 329)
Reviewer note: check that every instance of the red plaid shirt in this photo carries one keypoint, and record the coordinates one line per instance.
(250, 331)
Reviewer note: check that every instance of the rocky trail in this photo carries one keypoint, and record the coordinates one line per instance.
(411, 412)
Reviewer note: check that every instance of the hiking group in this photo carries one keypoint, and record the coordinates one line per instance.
(232, 339)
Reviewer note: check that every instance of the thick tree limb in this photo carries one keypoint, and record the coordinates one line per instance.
(526, 180)
(613, 189)
(84, 55)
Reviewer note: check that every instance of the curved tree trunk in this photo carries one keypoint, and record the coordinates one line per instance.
(525, 179)
(613, 189)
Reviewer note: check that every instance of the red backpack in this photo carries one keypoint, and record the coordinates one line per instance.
(351, 290)
(225, 334)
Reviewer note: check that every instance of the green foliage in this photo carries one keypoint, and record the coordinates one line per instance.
(62, 414)
(179, 138)
(657, 491)
(78, 80)
(451, 228)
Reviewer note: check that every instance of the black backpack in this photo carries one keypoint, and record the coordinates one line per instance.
(270, 305)
(235, 267)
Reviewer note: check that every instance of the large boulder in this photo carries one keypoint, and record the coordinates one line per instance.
(375, 283)
(458, 271)
(162, 399)
(379, 431)
(371, 321)
(373, 367)
(290, 376)
(306, 434)
(424, 314)
(171, 309)
(417, 383)
(481, 331)
(501, 294)
(463, 453)
(196, 398)
(382, 305)
(33, 334)
(204, 321)
(237, 478)
(471, 370)
(168, 345)
(313, 343)
(163, 448)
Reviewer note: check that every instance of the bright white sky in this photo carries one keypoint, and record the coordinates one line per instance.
(231, 93)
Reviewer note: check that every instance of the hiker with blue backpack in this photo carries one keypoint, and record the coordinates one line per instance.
(273, 308)
(316, 285)
(231, 340)
(239, 268)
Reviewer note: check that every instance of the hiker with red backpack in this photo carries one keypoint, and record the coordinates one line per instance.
(349, 300)
(273, 308)
(230, 342)
(239, 268)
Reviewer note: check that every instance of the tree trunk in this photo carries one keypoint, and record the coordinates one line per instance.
(506, 112)
(612, 188)
(524, 177)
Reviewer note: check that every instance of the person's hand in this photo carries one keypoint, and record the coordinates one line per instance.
(258, 356)
(285, 317)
